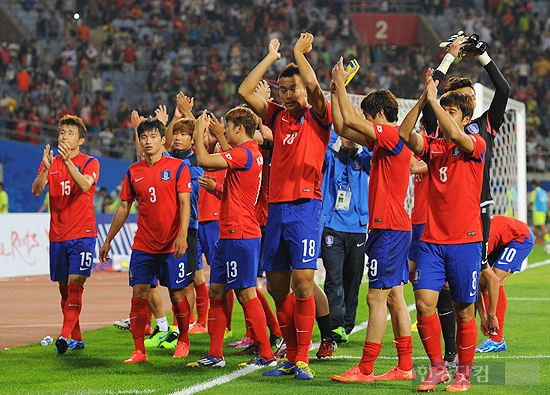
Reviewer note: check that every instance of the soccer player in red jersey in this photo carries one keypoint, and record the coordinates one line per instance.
(161, 185)
(301, 132)
(389, 238)
(510, 242)
(234, 265)
(72, 178)
(450, 246)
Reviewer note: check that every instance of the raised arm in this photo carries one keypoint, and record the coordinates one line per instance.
(247, 89)
(412, 139)
(338, 122)
(315, 95)
(205, 160)
(447, 124)
(41, 180)
(350, 118)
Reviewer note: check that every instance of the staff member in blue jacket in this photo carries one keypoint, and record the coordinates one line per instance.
(345, 210)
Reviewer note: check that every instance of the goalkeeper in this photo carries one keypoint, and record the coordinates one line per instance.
(487, 125)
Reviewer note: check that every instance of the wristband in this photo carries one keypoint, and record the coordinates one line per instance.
(448, 59)
(484, 58)
(218, 187)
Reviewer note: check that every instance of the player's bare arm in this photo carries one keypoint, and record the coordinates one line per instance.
(452, 131)
(180, 244)
(338, 122)
(315, 95)
(121, 214)
(210, 185)
(350, 117)
(40, 182)
(210, 162)
(248, 87)
(407, 134)
(185, 105)
(83, 181)
(216, 135)
(418, 166)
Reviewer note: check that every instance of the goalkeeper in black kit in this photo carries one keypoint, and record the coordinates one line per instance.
(487, 126)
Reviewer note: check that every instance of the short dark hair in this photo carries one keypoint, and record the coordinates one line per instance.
(243, 116)
(455, 83)
(290, 70)
(381, 99)
(151, 124)
(74, 121)
(460, 100)
(535, 182)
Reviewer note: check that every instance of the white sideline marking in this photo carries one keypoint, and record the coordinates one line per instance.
(529, 299)
(537, 264)
(244, 371)
(53, 325)
(217, 381)
(477, 357)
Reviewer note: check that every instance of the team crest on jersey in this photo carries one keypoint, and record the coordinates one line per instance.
(79, 169)
(302, 119)
(166, 175)
(456, 151)
(472, 128)
(356, 164)
(329, 241)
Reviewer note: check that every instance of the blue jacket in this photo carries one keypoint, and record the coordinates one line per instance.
(346, 170)
(195, 172)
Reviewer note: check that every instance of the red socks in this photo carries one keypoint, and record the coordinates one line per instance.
(217, 322)
(501, 312)
(404, 346)
(429, 329)
(285, 316)
(270, 318)
(181, 312)
(138, 320)
(466, 339)
(228, 309)
(71, 311)
(371, 350)
(256, 324)
(202, 302)
(304, 320)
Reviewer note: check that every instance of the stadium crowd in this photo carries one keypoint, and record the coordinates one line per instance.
(149, 51)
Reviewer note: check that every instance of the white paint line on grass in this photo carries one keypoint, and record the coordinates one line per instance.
(243, 372)
(477, 357)
(217, 381)
(537, 264)
(530, 299)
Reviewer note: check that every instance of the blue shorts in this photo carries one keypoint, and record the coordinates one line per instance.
(510, 258)
(387, 252)
(293, 235)
(71, 257)
(458, 264)
(209, 233)
(416, 235)
(235, 263)
(146, 268)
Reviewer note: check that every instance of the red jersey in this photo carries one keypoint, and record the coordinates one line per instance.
(240, 192)
(420, 209)
(454, 188)
(262, 204)
(209, 204)
(505, 230)
(156, 190)
(389, 180)
(72, 211)
(299, 146)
